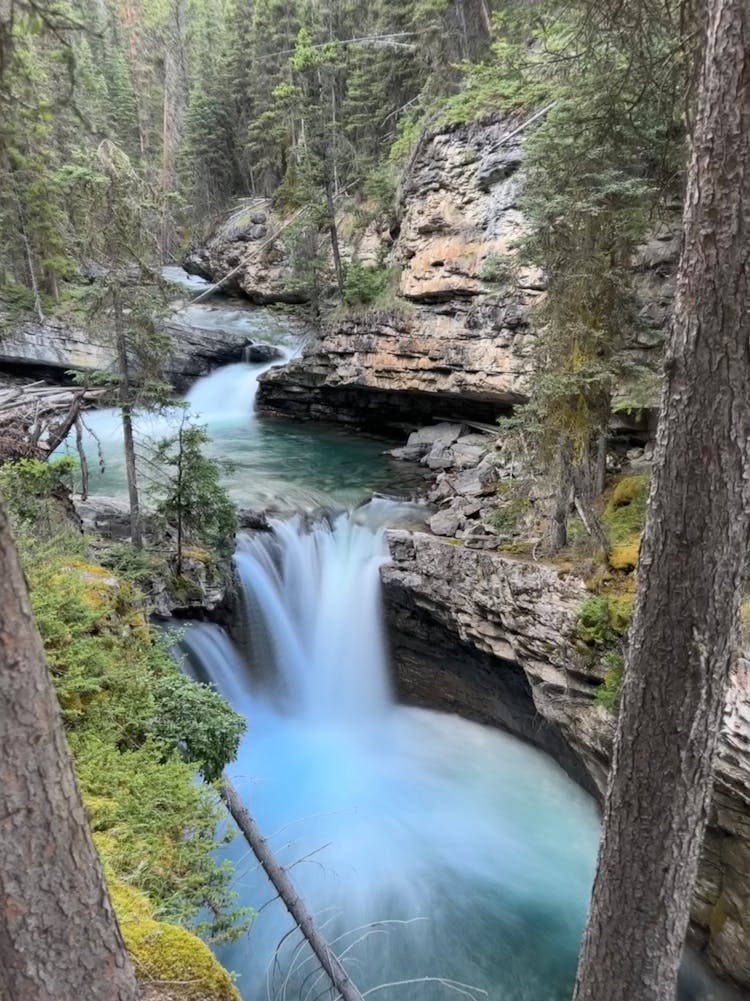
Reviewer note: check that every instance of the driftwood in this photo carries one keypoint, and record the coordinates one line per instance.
(36, 418)
(283, 885)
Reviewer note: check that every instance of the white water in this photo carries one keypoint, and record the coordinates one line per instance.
(476, 847)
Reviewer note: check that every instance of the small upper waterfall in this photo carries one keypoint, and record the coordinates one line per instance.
(312, 613)
(426, 846)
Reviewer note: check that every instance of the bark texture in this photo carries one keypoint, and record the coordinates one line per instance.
(692, 560)
(59, 939)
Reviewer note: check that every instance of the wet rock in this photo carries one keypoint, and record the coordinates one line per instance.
(252, 520)
(258, 353)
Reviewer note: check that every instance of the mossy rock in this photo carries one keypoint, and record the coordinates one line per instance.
(625, 557)
(623, 517)
(163, 953)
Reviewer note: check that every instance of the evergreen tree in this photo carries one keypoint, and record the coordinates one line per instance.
(189, 493)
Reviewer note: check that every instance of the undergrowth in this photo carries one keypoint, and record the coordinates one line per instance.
(138, 729)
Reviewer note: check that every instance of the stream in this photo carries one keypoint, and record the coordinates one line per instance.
(441, 858)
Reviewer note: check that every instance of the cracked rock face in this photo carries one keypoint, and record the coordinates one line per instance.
(460, 331)
(56, 347)
(464, 622)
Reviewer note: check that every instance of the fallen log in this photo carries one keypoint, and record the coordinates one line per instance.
(36, 418)
(296, 906)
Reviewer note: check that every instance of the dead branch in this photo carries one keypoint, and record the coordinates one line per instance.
(293, 902)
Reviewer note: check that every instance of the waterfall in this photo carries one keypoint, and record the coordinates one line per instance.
(312, 612)
(427, 846)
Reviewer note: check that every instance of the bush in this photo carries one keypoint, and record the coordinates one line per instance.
(126, 708)
(603, 619)
(364, 284)
(608, 694)
(154, 827)
(496, 269)
(36, 494)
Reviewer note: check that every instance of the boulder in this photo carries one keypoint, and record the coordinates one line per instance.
(446, 522)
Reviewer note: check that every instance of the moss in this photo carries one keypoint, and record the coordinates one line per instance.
(165, 953)
(623, 518)
(517, 548)
(453, 542)
(717, 917)
(625, 557)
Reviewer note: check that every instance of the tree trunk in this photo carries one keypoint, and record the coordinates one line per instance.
(58, 934)
(334, 238)
(180, 494)
(283, 885)
(563, 493)
(128, 440)
(692, 560)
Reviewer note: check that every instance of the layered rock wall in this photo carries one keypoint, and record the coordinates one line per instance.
(53, 348)
(503, 616)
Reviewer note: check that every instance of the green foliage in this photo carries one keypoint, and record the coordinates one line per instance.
(608, 693)
(606, 151)
(497, 269)
(137, 729)
(35, 494)
(601, 631)
(603, 619)
(505, 518)
(364, 284)
(155, 828)
(198, 719)
(189, 493)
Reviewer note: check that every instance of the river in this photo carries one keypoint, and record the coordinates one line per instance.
(443, 858)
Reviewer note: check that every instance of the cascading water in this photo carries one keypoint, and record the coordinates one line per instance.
(427, 846)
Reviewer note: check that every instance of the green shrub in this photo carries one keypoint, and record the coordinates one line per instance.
(137, 729)
(608, 694)
(603, 619)
(496, 269)
(364, 284)
(505, 518)
(33, 491)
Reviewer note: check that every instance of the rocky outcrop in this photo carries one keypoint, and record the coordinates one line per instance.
(247, 254)
(457, 339)
(52, 348)
(479, 633)
(204, 585)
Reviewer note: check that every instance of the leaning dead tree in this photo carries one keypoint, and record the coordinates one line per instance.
(35, 418)
(283, 885)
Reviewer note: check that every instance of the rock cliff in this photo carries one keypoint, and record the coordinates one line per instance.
(456, 337)
(53, 347)
(492, 637)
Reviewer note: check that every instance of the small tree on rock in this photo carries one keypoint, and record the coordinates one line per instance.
(190, 496)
